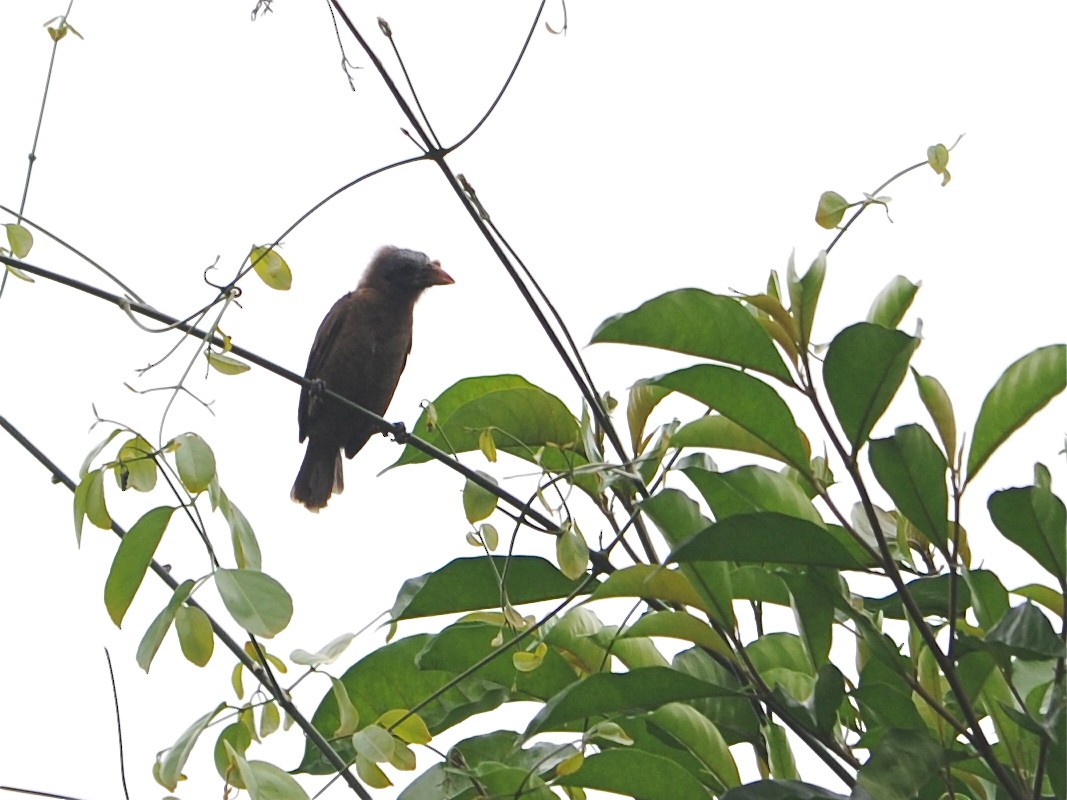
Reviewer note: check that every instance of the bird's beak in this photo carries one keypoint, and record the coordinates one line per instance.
(435, 276)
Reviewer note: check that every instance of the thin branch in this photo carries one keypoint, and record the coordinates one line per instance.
(76, 251)
(863, 207)
(316, 738)
(387, 31)
(118, 726)
(397, 431)
(507, 81)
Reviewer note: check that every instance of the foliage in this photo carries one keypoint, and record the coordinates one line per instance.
(908, 669)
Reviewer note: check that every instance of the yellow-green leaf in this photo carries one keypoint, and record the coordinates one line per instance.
(349, 716)
(937, 158)
(572, 553)
(487, 444)
(20, 239)
(831, 210)
(478, 502)
(225, 364)
(194, 634)
(406, 726)
(137, 467)
(271, 268)
(95, 506)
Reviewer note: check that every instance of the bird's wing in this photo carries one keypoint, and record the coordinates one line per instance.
(324, 340)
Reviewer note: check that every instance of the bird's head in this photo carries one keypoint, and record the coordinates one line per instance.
(405, 272)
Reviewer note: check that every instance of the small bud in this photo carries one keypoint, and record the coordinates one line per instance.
(385, 28)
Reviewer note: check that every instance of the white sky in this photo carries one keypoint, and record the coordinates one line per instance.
(655, 146)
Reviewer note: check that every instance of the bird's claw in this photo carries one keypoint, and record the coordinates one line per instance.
(400, 433)
(317, 387)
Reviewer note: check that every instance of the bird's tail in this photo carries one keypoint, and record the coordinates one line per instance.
(321, 475)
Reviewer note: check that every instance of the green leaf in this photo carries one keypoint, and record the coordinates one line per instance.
(227, 365)
(829, 694)
(781, 790)
(96, 508)
(390, 677)
(931, 594)
(864, 366)
(747, 401)
(271, 268)
(678, 625)
(237, 736)
(900, 764)
(912, 470)
(194, 634)
(608, 693)
(635, 773)
(749, 489)
(20, 239)
(572, 552)
(1027, 634)
(153, 637)
(170, 767)
(804, 294)
(1049, 598)
(733, 713)
(255, 600)
(779, 753)
(831, 210)
(469, 584)
(766, 537)
(892, 302)
(524, 417)
(719, 432)
(1035, 519)
(196, 462)
(939, 406)
(460, 645)
(814, 595)
(646, 580)
(644, 396)
(1024, 389)
(678, 518)
(701, 324)
(683, 726)
(478, 503)
(132, 559)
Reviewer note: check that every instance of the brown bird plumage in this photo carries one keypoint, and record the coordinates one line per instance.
(359, 352)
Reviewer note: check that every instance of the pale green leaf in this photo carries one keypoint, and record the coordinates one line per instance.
(256, 601)
(174, 759)
(196, 462)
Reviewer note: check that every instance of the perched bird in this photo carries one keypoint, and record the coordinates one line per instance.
(359, 352)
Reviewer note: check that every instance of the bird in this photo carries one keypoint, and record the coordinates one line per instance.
(359, 351)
